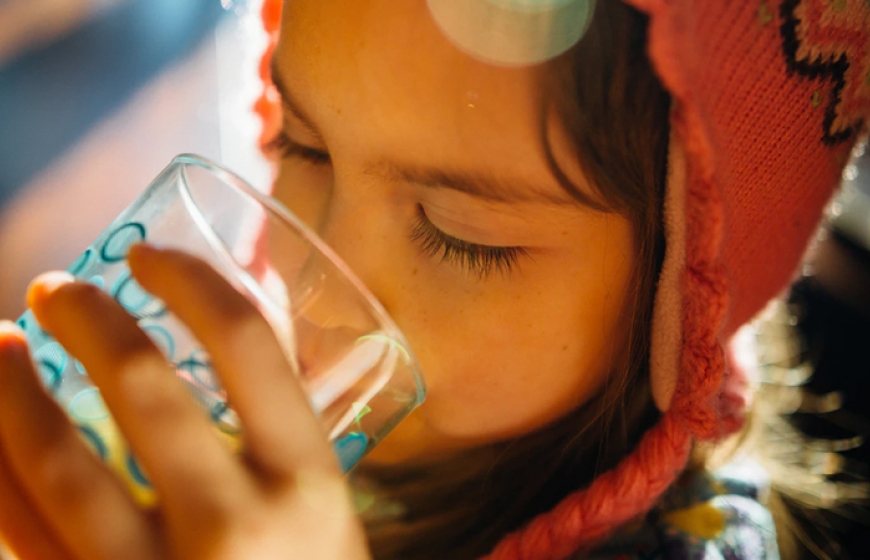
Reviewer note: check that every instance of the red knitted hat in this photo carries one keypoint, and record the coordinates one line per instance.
(768, 97)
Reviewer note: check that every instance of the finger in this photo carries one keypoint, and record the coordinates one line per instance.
(281, 431)
(168, 431)
(22, 528)
(75, 493)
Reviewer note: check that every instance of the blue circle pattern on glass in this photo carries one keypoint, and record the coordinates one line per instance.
(84, 404)
(136, 471)
(135, 299)
(161, 337)
(199, 373)
(196, 369)
(97, 281)
(51, 360)
(350, 449)
(94, 440)
(225, 418)
(82, 262)
(88, 406)
(120, 240)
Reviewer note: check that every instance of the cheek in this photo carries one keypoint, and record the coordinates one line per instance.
(502, 367)
(508, 358)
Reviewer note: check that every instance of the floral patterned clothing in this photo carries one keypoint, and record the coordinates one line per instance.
(705, 516)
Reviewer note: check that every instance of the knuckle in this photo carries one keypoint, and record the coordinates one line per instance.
(141, 376)
(58, 468)
(216, 512)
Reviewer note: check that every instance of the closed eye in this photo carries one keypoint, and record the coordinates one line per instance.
(288, 148)
(481, 260)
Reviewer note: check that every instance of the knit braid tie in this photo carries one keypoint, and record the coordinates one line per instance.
(615, 497)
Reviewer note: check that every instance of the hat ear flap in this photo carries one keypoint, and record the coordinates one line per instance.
(667, 323)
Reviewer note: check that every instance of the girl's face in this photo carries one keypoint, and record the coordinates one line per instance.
(424, 169)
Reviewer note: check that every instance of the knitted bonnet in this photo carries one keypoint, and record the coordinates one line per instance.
(768, 98)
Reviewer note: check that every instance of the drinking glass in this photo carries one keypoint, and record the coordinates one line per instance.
(355, 365)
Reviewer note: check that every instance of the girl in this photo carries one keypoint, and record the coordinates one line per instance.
(569, 236)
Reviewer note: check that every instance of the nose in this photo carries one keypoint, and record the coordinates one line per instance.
(333, 287)
(345, 351)
(351, 230)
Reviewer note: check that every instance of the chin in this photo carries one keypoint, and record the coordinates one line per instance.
(418, 440)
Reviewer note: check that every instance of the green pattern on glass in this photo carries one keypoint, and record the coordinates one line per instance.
(361, 410)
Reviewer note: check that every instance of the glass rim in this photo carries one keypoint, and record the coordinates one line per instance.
(285, 215)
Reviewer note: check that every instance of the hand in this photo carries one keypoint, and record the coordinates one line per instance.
(282, 497)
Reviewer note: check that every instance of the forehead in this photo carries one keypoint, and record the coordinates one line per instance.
(383, 68)
(378, 44)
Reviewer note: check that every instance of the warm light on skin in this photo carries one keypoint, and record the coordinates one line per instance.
(502, 354)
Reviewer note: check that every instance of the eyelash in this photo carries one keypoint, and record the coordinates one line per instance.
(479, 259)
(287, 148)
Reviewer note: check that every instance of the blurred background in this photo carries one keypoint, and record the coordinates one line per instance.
(96, 96)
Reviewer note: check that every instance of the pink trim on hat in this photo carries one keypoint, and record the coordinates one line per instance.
(699, 277)
(667, 316)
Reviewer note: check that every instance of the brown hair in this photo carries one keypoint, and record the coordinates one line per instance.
(616, 113)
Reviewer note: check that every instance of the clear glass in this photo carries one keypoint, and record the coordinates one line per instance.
(354, 363)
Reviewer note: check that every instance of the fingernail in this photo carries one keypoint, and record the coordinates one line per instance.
(9, 328)
(44, 284)
(11, 337)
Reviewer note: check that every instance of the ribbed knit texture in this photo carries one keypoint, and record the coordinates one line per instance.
(587, 516)
(767, 98)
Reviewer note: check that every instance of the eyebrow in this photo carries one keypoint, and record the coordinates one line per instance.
(480, 185)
